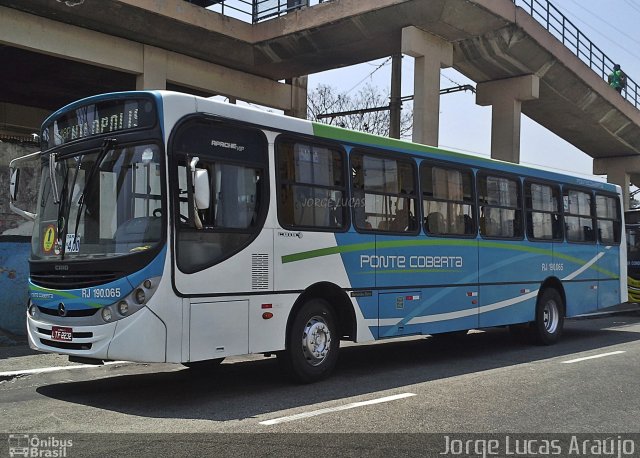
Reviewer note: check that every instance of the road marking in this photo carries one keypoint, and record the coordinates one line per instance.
(352, 405)
(602, 355)
(43, 370)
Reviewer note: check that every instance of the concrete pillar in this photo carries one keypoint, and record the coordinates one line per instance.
(506, 97)
(154, 75)
(298, 97)
(431, 53)
(619, 170)
(395, 104)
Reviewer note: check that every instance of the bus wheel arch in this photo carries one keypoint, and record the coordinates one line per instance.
(339, 302)
(551, 307)
(316, 324)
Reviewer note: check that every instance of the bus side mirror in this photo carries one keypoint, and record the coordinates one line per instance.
(202, 192)
(13, 183)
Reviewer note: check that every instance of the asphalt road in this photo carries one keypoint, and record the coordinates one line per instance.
(481, 383)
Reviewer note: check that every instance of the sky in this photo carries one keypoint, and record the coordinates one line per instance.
(612, 25)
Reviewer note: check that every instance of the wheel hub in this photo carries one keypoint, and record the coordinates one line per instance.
(316, 341)
(551, 317)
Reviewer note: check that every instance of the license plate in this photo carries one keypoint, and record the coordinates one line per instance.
(61, 334)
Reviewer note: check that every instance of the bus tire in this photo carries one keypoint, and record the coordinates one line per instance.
(313, 343)
(547, 328)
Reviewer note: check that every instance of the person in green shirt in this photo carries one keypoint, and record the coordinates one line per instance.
(617, 78)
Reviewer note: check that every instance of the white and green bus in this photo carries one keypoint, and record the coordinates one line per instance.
(173, 228)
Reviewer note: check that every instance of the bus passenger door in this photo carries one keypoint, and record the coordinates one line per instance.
(609, 229)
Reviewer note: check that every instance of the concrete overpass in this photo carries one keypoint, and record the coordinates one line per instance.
(54, 53)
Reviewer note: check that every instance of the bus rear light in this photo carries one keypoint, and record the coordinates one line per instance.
(267, 315)
(267, 306)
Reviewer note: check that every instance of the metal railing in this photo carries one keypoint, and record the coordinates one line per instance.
(577, 42)
(255, 10)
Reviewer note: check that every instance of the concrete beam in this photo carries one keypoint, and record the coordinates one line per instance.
(21, 120)
(55, 38)
(506, 97)
(215, 79)
(431, 53)
(154, 66)
(620, 170)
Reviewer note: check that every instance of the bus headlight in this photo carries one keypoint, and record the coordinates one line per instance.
(106, 314)
(32, 309)
(140, 296)
(123, 308)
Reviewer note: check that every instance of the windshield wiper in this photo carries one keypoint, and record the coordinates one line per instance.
(52, 178)
(107, 146)
(61, 208)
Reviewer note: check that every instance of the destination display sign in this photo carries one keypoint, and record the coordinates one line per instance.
(98, 118)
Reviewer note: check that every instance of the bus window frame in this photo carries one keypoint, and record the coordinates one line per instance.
(620, 219)
(313, 141)
(387, 154)
(591, 192)
(558, 186)
(519, 181)
(173, 199)
(474, 197)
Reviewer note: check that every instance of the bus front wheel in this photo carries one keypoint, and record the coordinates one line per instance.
(312, 344)
(547, 328)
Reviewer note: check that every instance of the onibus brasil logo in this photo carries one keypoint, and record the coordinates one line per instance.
(31, 445)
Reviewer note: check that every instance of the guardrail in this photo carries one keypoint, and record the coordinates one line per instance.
(254, 10)
(576, 41)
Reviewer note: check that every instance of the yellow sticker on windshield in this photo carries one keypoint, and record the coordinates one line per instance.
(48, 238)
(140, 248)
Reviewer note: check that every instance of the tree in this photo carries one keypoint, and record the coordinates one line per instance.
(326, 99)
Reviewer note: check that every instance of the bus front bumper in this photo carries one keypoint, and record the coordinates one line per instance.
(140, 337)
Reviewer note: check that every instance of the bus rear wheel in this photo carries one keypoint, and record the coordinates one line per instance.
(547, 328)
(312, 344)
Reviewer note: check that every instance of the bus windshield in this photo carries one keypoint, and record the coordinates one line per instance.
(108, 203)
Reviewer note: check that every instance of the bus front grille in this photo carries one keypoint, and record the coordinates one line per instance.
(66, 345)
(69, 313)
(72, 281)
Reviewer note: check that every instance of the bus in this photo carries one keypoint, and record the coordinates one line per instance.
(632, 229)
(174, 228)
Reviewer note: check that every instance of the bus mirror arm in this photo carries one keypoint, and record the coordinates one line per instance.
(200, 186)
(14, 182)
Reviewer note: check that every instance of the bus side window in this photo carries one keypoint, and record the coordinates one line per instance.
(501, 210)
(312, 186)
(578, 216)
(447, 200)
(384, 189)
